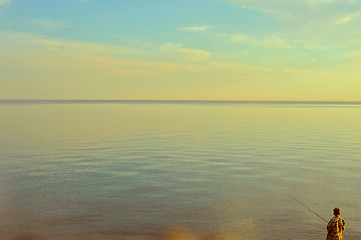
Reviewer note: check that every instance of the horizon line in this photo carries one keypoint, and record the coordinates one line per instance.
(175, 101)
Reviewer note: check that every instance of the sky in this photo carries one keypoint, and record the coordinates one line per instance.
(284, 50)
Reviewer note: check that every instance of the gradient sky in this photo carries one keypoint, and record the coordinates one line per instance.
(181, 49)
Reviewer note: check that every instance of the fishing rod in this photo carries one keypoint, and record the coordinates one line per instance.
(314, 211)
(308, 208)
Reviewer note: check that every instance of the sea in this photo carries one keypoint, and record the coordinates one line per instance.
(178, 170)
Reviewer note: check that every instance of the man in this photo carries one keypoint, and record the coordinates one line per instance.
(335, 226)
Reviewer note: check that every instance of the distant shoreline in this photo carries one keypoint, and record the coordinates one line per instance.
(84, 101)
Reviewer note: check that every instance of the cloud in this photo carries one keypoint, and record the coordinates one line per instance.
(51, 68)
(310, 15)
(86, 48)
(241, 37)
(347, 19)
(343, 20)
(270, 41)
(20, 41)
(196, 28)
(3, 2)
(319, 21)
(188, 54)
(291, 5)
(275, 41)
(35, 50)
(50, 25)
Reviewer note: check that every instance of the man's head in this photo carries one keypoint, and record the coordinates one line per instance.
(336, 211)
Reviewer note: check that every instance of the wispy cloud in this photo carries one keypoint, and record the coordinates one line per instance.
(177, 50)
(54, 68)
(294, 4)
(241, 37)
(311, 14)
(83, 69)
(53, 46)
(87, 48)
(195, 28)
(50, 25)
(273, 41)
(347, 18)
(276, 41)
(3, 2)
(322, 21)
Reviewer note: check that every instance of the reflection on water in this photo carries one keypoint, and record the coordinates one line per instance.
(134, 171)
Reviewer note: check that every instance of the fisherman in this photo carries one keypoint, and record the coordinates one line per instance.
(335, 226)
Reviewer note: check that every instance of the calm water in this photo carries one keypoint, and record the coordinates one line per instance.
(135, 170)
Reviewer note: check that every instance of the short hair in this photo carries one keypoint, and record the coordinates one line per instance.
(336, 211)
